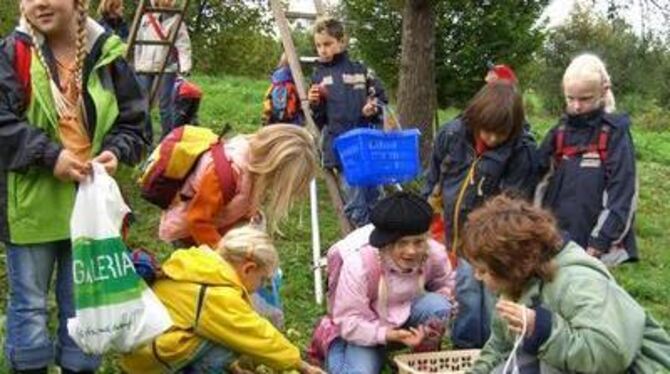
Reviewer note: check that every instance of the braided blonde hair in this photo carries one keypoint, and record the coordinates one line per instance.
(247, 243)
(63, 104)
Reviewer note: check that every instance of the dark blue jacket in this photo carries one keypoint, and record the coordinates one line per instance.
(348, 84)
(594, 201)
(116, 25)
(510, 166)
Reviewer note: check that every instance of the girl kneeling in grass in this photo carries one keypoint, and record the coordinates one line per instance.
(570, 312)
(207, 293)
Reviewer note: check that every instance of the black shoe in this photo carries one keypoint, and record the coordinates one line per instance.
(31, 371)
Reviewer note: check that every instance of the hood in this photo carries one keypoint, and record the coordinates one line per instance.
(201, 265)
(572, 255)
(282, 75)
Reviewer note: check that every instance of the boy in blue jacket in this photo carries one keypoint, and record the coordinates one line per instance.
(344, 95)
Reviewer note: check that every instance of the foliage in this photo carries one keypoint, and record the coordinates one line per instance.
(468, 34)
(9, 14)
(639, 67)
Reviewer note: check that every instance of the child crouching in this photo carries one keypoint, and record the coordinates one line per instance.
(566, 308)
(394, 286)
(208, 296)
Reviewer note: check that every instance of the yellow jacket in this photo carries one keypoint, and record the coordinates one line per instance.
(199, 278)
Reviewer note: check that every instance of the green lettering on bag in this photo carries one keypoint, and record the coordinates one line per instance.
(103, 273)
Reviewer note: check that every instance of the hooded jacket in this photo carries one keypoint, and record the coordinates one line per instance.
(209, 305)
(35, 207)
(585, 323)
(594, 200)
(347, 85)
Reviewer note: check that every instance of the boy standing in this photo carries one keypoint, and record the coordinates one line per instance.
(344, 95)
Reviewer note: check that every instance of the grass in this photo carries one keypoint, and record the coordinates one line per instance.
(238, 101)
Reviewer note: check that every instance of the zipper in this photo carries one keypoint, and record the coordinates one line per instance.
(469, 179)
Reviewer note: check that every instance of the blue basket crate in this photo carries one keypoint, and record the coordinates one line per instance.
(373, 157)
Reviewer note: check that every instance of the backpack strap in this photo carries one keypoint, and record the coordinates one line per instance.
(224, 172)
(22, 60)
(377, 287)
(598, 145)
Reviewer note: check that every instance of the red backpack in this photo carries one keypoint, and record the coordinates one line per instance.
(22, 60)
(598, 145)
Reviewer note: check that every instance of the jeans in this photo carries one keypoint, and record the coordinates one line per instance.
(348, 358)
(472, 325)
(27, 343)
(358, 202)
(214, 359)
(165, 102)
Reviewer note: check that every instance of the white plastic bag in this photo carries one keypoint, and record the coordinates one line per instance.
(115, 310)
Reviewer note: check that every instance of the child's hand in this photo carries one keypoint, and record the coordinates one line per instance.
(68, 168)
(512, 313)
(306, 368)
(410, 338)
(314, 94)
(370, 108)
(594, 252)
(108, 160)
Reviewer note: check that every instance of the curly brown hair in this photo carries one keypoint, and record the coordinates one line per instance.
(514, 241)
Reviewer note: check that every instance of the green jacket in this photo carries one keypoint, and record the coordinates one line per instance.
(585, 322)
(36, 207)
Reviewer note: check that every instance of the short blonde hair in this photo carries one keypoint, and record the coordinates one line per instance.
(590, 68)
(282, 162)
(110, 7)
(246, 243)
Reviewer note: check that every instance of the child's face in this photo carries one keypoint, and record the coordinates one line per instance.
(483, 275)
(491, 139)
(327, 46)
(50, 16)
(409, 252)
(582, 96)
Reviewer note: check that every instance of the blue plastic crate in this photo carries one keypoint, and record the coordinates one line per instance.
(374, 157)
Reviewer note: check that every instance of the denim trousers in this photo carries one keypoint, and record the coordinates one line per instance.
(358, 202)
(165, 102)
(472, 325)
(28, 344)
(348, 358)
(213, 359)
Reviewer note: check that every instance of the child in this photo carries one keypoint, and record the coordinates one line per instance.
(186, 97)
(111, 17)
(344, 95)
(588, 163)
(271, 167)
(563, 305)
(208, 296)
(68, 98)
(477, 155)
(411, 302)
(282, 103)
(149, 60)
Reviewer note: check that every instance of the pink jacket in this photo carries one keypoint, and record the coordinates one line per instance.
(360, 322)
(174, 224)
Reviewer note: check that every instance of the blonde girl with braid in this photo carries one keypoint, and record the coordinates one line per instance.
(211, 289)
(68, 99)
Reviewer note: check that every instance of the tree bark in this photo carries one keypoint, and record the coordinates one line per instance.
(417, 92)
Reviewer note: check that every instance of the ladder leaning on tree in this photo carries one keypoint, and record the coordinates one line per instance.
(167, 43)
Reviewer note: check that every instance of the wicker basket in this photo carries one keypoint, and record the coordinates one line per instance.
(437, 362)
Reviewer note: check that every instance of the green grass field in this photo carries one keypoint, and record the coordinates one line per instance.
(238, 101)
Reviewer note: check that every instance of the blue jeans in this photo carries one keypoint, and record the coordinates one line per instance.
(472, 325)
(358, 202)
(348, 358)
(214, 359)
(29, 272)
(165, 102)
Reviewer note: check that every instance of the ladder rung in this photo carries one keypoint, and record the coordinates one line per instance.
(157, 9)
(153, 42)
(300, 15)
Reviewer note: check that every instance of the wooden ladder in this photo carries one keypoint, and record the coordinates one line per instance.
(145, 7)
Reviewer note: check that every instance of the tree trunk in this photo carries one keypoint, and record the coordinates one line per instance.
(417, 93)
